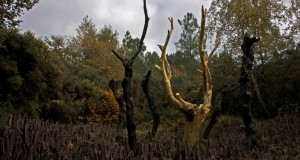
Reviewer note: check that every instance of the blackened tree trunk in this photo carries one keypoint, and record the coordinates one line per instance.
(218, 106)
(151, 102)
(126, 84)
(114, 85)
(245, 96)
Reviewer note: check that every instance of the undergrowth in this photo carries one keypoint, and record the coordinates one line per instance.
(26, 138)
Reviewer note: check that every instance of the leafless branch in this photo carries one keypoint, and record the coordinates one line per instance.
(213, 51)
(143, 34)
(120, 58)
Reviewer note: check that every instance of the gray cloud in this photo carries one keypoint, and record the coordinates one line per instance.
(62, 17)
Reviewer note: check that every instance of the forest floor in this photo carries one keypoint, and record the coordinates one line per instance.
(26, 138)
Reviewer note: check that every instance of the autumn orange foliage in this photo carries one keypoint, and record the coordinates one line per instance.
(106, 111)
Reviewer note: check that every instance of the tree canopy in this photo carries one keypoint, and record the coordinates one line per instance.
(229, 21)
(65, 78)
(10, 10)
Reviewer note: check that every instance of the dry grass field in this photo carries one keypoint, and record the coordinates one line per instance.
(26, 138)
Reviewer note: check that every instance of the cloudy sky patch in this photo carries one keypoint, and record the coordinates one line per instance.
(62, 17)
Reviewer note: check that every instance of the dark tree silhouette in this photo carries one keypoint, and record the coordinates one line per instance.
(245, 96)
(126, 84)
(153, 107)
(114, 85)
(218, 106)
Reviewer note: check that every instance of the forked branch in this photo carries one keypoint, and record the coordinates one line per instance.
(195, 113)
(165, 70)
(143, 34)
(213, 50)
(126, 84)
(117, 55)
(163, 51)
(131, 61)
(203, 58)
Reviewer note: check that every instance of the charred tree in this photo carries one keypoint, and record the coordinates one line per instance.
(114, 85)
(245, 96)
(151, 102)
(218, 106)
(126, 85)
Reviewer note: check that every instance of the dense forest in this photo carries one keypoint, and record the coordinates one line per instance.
(67, 79)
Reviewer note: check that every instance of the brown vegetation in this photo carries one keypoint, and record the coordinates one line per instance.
(26, 138)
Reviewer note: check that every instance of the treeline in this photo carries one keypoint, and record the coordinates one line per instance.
(65, 78)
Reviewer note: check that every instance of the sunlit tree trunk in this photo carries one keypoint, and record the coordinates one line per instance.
(194, 114)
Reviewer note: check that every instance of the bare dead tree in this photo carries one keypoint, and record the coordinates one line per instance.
(245, 96)
(195, 114)
(151, 102)
(126, 84)
(218, 106)
(114, 85)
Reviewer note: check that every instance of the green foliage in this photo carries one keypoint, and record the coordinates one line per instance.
(86, 28)
(9, 10)
(185, 75)
(65, 78)
(151, 59)
(229, 21)
(85, 41)
(88, 65)
(28, 72)
(188, 42)
(130, 45)
(64, 111)
(279, 81)
(225, 70)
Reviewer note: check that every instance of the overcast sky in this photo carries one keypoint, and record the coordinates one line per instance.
(62, 17)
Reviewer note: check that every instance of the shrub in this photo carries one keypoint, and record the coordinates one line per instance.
(108, 108)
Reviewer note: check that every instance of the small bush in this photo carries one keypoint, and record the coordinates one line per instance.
(105, 110)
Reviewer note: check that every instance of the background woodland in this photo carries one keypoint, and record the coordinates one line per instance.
(65, 78)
